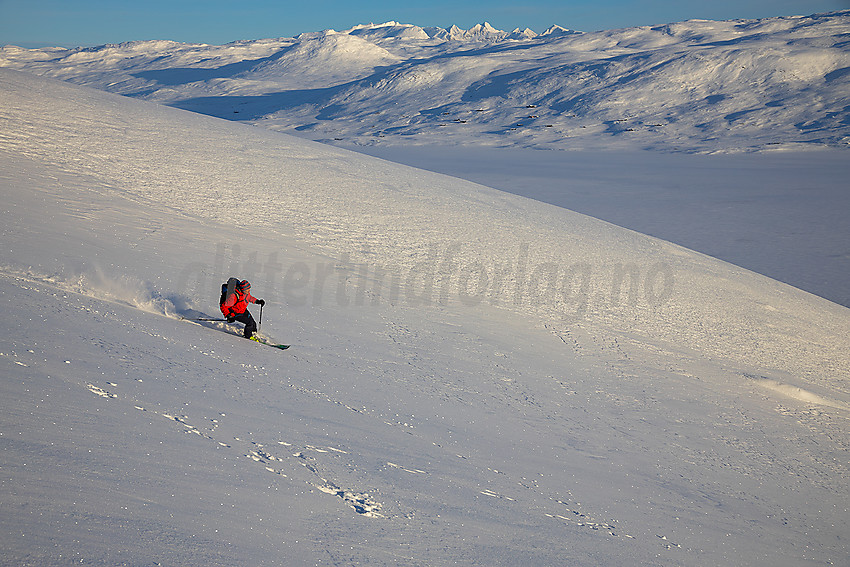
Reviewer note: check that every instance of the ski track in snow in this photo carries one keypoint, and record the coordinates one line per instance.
(96, 284)
(315, 458)
(360, 502)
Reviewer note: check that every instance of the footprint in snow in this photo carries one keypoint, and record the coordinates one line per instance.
(100, 391)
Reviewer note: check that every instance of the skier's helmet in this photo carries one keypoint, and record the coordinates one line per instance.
(245, 286)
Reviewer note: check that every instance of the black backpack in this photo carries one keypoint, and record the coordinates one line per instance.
(226, 289)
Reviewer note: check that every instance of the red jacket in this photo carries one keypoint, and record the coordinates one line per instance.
(237, 303)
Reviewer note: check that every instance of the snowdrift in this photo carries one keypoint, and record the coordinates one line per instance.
(476, 378)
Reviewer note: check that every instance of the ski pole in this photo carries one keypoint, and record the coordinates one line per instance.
(260, 322)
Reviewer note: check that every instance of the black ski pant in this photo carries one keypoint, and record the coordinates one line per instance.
(250, 324)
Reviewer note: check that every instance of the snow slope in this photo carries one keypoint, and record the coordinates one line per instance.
(476, 378)
(695, 86)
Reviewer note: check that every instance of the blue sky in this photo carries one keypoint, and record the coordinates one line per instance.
(70, 23)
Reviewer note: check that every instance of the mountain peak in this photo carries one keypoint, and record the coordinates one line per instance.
(391, 29)
(482, 31)
(527, 33)
(556, 30)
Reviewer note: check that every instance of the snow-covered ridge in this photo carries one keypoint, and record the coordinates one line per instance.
(703, 86)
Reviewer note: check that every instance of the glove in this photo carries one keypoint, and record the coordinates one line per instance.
(231, 319)
(261, 302)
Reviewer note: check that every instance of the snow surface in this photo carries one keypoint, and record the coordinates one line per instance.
(476, 378)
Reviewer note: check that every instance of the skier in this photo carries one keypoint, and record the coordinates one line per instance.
(235, 297)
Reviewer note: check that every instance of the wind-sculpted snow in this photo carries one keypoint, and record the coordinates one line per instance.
(475, 378)
(700, 86)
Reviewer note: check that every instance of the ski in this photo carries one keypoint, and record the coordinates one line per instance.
(254, 338)
(264, 342)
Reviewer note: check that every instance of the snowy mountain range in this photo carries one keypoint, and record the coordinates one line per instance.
(697, 86)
